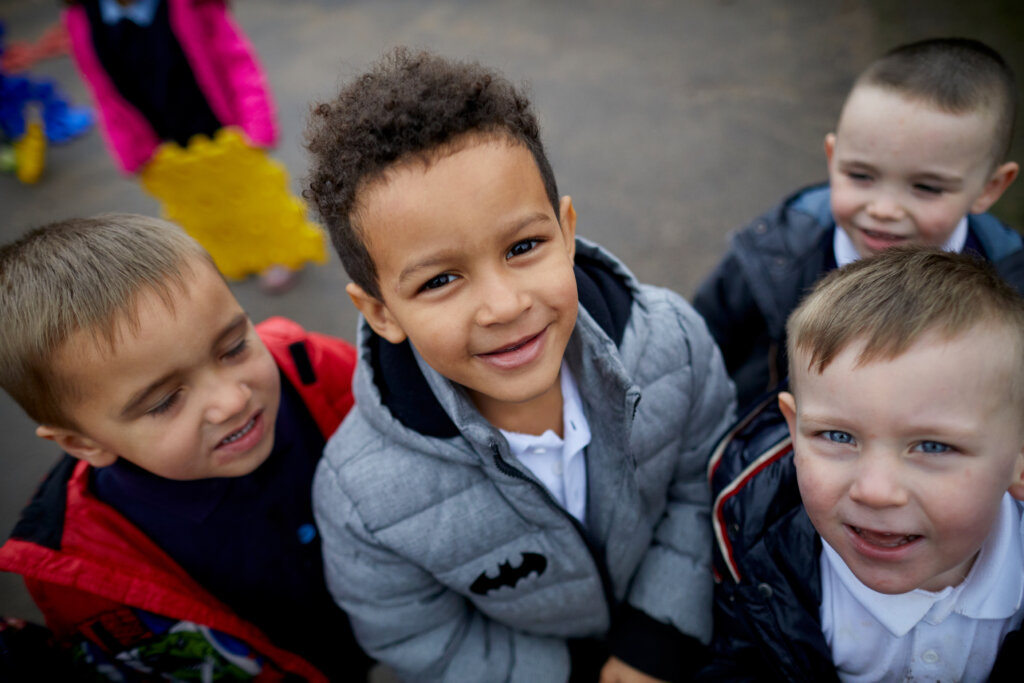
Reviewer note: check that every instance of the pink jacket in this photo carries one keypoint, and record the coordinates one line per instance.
(225, 69)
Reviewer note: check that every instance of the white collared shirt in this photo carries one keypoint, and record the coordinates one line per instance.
(845, 252)
(559, 463)
(950, 635)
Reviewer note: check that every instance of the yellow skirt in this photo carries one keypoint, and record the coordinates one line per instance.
(234, 200)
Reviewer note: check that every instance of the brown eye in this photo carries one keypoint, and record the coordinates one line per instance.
(522, 247)
(438, 281)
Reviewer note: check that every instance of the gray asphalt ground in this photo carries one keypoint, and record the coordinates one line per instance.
(670, 124)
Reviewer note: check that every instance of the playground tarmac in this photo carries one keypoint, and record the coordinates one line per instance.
(670, 124)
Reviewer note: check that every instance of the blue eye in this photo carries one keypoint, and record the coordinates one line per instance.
(836, 436)
(438, 281)
(934, 447)
(522, 247)
(164, 405)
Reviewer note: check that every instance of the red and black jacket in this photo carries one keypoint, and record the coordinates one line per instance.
(89, 569)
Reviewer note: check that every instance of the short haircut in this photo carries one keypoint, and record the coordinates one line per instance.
(954, 75)
(891, 300)
(409, 106)
(82, 274)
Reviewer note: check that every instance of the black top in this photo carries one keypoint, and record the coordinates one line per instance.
(149, 69)
(251, 541)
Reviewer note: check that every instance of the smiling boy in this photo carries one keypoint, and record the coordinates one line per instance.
(519, 491)
(918, 156)
(902, 557)
(177, 534)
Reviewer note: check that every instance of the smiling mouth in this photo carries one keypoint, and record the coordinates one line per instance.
(884, 539)
(514, 347)
(235, 436)
(883, 236)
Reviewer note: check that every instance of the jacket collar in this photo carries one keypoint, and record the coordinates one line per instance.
(604, 292)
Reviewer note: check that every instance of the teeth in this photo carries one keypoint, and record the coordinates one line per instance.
(885, 539)
(240, 433)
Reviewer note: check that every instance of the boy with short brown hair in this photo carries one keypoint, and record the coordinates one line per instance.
(883, 541)
(918, 156)
(178, 533)
(519, 490)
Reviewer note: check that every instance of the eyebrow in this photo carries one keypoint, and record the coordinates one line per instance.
(141, 396)
(444, 255)
(939, 177)
(846, 164)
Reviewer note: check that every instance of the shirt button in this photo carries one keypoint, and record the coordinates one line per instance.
(930, 656)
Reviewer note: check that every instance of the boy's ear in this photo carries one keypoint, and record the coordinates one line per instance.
(787, 404)
(567, 221)
(1001, 178)
(77, 445)
(830, 146)
(376, 313)
(1016, 487)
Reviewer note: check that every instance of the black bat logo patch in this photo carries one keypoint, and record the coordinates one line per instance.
(509, 575)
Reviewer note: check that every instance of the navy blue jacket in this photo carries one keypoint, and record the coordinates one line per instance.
(766, 563)
(775, 260)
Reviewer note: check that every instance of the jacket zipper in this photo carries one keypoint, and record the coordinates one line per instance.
(602, 570)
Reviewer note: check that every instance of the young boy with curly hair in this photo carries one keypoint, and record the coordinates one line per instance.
(881, 539)
(177, 536)
(918, 156)
(519, 489)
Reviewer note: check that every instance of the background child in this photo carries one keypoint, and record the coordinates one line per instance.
(184, 103)
(918, 156)
(893, 552)
(500, 491)
(178, 534)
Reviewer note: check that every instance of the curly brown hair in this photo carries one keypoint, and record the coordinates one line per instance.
(410, 105)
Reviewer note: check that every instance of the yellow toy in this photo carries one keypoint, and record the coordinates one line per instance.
(234, 200)
(30, 153)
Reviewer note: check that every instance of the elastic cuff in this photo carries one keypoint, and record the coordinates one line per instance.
(587, 657)
(655, 648)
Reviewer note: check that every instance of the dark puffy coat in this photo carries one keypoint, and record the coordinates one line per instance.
(774, 261)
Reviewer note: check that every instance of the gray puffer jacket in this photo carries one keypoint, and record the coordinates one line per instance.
(453, 561)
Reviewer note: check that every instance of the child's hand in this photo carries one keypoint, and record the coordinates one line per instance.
(617, 671)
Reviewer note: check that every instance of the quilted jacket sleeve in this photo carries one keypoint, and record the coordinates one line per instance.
(673, 585)
(726, 302)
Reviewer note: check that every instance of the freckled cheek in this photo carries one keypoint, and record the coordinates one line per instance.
(967, 510)
(818, 490)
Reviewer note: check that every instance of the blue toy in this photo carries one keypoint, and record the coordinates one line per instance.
(30, 108)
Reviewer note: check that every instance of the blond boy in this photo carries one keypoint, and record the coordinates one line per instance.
(177, 534)
(901, 557)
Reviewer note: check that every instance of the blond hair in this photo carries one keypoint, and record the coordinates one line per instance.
(890, 300)
(82, 274)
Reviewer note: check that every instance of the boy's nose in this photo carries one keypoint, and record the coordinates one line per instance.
(502, 300)
(228, 400)
(877, 482)
(885, 209)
